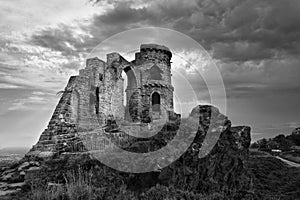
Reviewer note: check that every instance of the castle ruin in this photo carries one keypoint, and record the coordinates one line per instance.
(79, 131)
(95, 98)
(97, 93)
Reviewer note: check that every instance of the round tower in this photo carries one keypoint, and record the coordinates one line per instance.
(154, 68)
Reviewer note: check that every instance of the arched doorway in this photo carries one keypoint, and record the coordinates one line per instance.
(129, 83)
(129, 87)
(155, 102)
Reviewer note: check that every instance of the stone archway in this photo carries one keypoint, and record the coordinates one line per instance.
(130, 98)
(132, 83)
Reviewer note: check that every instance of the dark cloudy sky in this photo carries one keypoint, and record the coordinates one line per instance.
(255, 44)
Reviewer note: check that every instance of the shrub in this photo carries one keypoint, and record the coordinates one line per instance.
(78, 185)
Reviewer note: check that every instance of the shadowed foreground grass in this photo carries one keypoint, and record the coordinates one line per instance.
(79, 186)
(272, 180)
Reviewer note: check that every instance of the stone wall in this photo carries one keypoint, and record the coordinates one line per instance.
(117, 100)
(61, 122)
(96, 94)
(88, 81)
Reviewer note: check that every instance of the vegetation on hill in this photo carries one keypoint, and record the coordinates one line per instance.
(271, 180)
(281, 142)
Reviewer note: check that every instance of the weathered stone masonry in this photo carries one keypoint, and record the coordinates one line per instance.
(90, 117)
(96, 95)
(98, 90)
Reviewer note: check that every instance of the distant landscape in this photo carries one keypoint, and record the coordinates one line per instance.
(286, 147)
(11, 155)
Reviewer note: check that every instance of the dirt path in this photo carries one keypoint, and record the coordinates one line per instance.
(288, 162)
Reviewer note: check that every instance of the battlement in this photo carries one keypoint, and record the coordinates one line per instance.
(94, 62)
(154, 53)
(156, 47)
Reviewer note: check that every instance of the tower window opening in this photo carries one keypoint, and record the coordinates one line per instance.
(155, 102)
(97, 100)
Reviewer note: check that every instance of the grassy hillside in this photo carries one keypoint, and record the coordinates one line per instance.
(274, 179)
(271, 180)
(293, 156)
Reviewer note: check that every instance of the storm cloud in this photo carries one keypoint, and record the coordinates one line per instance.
(255, 44)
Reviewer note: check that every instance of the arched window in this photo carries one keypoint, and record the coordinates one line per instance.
(129, 83)
(155, 73)
(100, 77)
(155, 102)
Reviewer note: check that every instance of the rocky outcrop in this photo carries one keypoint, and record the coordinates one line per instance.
(215, 161)
(13, 179)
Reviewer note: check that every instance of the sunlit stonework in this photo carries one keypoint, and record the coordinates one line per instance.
(94, 103)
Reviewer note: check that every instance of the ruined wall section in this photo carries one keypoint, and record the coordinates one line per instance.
(117, 100)
(109, 92)
(89, 85)
(61, 122)
(76, 111)
(63, 111)
(116, 64)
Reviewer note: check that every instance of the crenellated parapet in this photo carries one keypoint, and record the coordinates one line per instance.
(153, 53)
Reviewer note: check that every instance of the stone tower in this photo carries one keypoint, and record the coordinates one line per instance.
(149, 92)
(153, 65)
